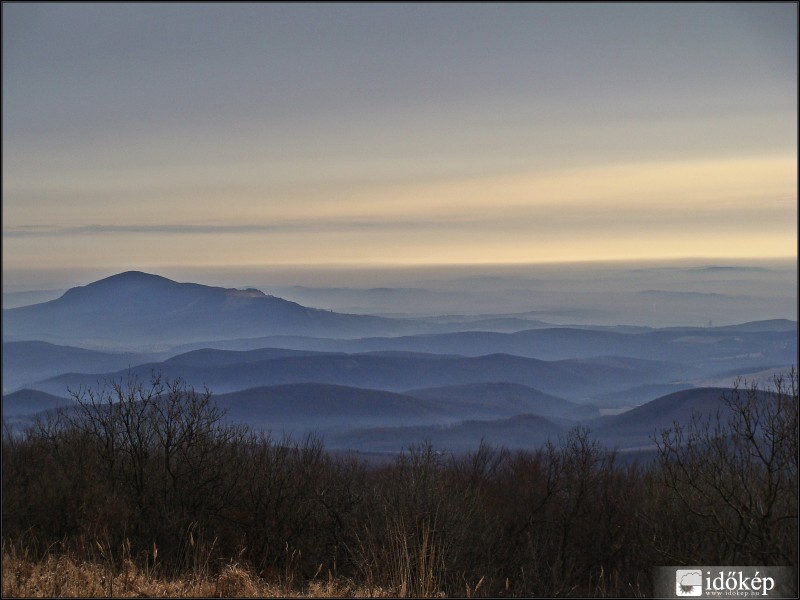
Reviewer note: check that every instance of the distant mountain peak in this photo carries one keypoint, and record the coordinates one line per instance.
(144, 280)
(126, 284)
(135, 274)
(125, 279)
(138, 310)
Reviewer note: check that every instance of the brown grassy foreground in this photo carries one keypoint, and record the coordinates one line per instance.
(64, 576)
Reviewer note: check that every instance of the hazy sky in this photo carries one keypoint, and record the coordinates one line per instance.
(145, 135)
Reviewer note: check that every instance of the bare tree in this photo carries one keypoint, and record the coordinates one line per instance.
(735, 473)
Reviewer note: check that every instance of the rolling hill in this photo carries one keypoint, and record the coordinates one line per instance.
(29, 402)
(573, 380)
(27, 362)
(454, 418)
(493, 400)
(324, 407)
(636, 427)
(705, 351)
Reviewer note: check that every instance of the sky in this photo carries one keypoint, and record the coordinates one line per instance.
(155, 136)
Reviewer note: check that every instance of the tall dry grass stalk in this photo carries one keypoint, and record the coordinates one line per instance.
(411, 563)
(61, 575)
(197, 551)
(416, 562)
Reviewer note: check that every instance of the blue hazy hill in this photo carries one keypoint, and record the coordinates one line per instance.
(139, 310)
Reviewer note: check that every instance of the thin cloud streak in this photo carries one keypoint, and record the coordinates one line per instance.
(25, 231)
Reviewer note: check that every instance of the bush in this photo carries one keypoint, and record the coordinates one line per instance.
(733, 476)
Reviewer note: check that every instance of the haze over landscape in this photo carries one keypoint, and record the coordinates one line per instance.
(398, 197)
(589, 204)
(521, 231)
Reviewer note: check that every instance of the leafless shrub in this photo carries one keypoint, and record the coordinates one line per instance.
(734, 474)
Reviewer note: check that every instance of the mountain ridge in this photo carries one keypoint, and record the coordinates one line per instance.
(137, 310)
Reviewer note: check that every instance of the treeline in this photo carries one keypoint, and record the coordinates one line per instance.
(152, 472)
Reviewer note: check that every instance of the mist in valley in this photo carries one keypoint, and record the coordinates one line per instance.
(653, 294)
(597, 339)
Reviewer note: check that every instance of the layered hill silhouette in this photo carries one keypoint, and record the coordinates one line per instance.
(713, 348)
(571, 379)
(31, 361)
(321, 407)
(500, 399)
(27, 402)
(376, 383)
(135, 310)
(139, 310)
(705, 351)
(453, 418)
(638, 426)
(633, 432)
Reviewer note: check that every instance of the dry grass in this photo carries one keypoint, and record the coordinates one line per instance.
(63, 576)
